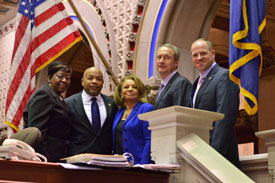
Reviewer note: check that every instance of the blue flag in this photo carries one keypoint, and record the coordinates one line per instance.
(247, 21)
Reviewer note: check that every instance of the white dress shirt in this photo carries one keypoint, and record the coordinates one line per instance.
(87, 103)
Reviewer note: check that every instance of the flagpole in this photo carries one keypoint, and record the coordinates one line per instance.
(109, 70)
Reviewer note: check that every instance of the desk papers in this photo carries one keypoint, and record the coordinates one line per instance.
(99, 160)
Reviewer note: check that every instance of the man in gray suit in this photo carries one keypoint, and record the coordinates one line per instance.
(174, 89)
(214, 91)
(84, 137)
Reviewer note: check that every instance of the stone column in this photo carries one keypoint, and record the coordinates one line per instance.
(171, 124)
(269, 139)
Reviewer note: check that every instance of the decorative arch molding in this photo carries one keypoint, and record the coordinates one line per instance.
(99, 25)
(136, 23)
(107, 25)
(181, 23)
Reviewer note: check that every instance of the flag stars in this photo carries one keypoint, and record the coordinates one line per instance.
(26, 11)
(23, 3)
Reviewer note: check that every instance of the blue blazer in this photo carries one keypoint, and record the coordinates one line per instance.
(135, 133)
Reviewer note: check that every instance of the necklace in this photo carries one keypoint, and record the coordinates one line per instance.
(126, 114)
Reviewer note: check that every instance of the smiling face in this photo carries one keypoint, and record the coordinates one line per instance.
(166, 63)
(202, 56)
(129, 91)
(60, 81)
(92, 81)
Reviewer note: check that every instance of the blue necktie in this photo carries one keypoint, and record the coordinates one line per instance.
(95, 116)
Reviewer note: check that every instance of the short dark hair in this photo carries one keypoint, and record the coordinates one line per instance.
(55, 66)
(140, 86)
(174, 48)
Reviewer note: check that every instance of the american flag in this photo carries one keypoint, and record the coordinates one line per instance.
(44, 31)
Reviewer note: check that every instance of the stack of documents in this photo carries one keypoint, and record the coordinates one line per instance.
(162, 167)
(99, 160)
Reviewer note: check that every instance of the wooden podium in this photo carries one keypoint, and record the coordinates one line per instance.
(30, 171)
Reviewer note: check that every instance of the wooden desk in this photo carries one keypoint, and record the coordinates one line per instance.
(30, 171)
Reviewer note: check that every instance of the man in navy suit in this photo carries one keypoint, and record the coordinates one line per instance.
(214, 91)
(174, 89)
(84, 138)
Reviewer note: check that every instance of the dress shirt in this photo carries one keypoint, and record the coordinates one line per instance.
(204, 76)
(167, 79)
(87, 102)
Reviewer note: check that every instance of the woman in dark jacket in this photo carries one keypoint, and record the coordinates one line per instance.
(47, 111)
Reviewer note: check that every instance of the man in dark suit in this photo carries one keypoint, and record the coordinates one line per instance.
(174, 89)
(84, 136)
(214, 91)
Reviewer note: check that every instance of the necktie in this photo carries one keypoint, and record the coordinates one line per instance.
(200, 81)
(160, 89)
(197, 89)
(95, 116)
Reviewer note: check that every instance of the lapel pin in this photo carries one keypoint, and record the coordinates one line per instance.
(109, 105)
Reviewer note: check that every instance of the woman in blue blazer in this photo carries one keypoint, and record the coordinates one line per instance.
(130, 134)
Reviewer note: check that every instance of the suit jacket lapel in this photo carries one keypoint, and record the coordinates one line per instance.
(108, 107)
(205, 83)
(133, 113)
(55, 97)
(166, 88)
(79, 108)
(118, 116)
(194, 87)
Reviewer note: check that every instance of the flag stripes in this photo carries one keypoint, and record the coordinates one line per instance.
(44, 31)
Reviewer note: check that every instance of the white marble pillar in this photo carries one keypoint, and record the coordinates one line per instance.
(269, 138)
(171, 124)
